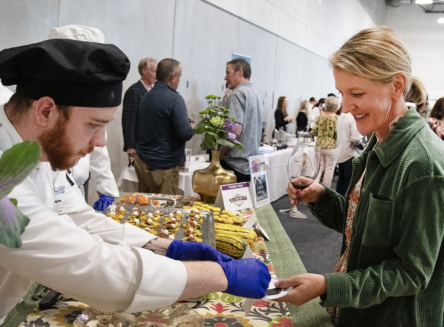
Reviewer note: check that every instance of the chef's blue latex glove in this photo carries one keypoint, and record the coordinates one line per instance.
(195, 251)
(246, 277)
(103, 202)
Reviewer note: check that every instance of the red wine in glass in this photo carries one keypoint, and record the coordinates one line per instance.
(302, 168)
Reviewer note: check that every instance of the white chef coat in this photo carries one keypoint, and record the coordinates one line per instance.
(348, 138)
(5, 94)
(312, 114)
(69, 247)
(99, 164)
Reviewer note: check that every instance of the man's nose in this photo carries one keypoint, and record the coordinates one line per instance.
(99, 139)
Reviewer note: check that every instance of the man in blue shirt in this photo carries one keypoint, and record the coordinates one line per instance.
(162, 129)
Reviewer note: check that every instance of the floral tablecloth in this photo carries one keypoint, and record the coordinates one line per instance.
(217, 309)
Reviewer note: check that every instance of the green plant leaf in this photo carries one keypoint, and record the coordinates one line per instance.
(208, 142)
(12, 224)
(225, 142)
(200, 128)
(238, 146)
(16, 163)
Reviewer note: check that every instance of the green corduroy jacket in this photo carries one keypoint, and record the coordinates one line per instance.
(395, 273)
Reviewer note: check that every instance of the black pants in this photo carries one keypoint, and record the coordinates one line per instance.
(345, 173)
(240, 177)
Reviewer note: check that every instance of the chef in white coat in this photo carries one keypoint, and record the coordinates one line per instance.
(67, 91)
(97, 162)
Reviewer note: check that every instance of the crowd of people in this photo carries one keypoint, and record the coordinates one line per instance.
(387, 205)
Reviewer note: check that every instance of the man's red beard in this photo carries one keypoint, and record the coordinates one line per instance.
(57, 147)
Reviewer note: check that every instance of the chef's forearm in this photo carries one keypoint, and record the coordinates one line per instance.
(203, 277)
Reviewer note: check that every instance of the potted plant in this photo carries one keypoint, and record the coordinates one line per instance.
(217, 126)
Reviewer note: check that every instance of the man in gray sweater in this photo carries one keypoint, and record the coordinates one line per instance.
(247, 108)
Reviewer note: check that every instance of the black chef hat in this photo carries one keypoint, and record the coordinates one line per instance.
(73, 73)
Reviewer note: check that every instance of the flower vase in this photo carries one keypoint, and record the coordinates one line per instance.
(206, 182)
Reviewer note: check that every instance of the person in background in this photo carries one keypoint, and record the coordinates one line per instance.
(436, 120)
(163, 128)
(391, 268)
(325, 130)
(281, 116)
(348, 145)
(147, 70)
(316, 112)
(418, 97)
(301, 118)
(312, 112)
(97, 164)
(247, 109)
(5, 94)
(67, 246)
(226, 95)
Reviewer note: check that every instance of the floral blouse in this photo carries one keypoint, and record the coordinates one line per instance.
(325, 130)
(341, 265)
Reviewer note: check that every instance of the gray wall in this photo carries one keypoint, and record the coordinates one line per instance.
(199, 34)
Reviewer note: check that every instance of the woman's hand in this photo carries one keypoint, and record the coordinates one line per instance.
(305, 288)
(310, 194)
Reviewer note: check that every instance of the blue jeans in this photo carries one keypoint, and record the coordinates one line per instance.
(345, 173)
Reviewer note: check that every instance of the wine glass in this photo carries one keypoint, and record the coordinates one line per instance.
(302, 168)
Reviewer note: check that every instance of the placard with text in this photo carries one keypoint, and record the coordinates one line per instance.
(234, 197)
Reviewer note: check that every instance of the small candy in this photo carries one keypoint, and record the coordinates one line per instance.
(173, 225)
(196, 216)
(193, 223)
(190, 230)
(171, 237)
(149, 221)
(156, 212)
(112, 213)
(195, 210)
(171, 215)
(122, 209)
(173, 220)
(147, 229)
(136, 221)
(150, 215)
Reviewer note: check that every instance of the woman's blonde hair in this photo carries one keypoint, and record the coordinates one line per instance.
(332, 104)
(417, 93)
(280, 105)
(303, 106)
(375, 53)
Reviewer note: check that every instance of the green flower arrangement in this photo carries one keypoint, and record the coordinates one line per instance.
(217, 125)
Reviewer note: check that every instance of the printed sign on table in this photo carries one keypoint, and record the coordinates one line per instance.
(259, 187)
(234, 197)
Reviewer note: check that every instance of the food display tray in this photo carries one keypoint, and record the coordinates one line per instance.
(207, 228)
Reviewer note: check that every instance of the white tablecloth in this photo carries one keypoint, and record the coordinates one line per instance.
(276, 174)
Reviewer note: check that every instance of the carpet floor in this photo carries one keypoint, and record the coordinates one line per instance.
(318, 246)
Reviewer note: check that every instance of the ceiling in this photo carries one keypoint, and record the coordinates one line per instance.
(436, 7)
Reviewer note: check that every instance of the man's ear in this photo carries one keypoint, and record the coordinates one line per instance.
(45, 111)
(240, 72)
(399, 84)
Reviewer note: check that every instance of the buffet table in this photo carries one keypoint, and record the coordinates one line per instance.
(276, 173)
(221, 309)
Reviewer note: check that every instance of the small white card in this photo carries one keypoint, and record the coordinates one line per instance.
(234, 197)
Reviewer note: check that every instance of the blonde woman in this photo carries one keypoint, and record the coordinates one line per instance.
(325, 130)
(391, 267)
(301, 118)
